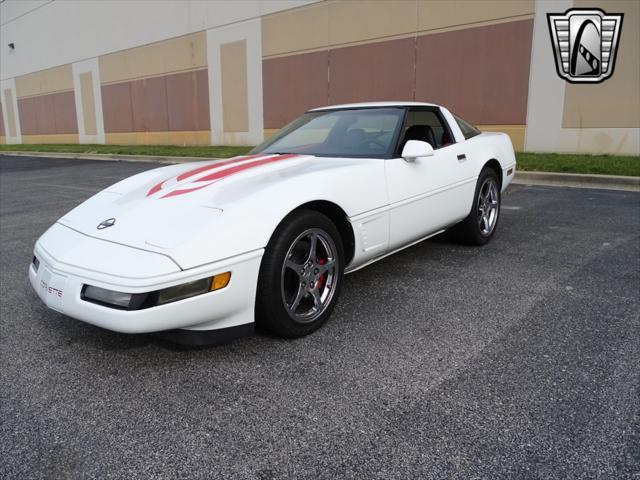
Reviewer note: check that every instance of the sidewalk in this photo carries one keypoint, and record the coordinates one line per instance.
(576, 180)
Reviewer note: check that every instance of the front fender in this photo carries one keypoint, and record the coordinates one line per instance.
(254, 206)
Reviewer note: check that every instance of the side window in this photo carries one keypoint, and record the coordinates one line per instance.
(425, 125)
(467, 129)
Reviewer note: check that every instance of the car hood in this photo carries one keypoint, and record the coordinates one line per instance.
(162, 210)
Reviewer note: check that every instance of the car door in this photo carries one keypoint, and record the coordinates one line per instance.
(430, 193)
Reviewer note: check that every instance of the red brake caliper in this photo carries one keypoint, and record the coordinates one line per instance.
(321, 261)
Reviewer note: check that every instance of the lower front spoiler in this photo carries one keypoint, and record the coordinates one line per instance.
(201, 338)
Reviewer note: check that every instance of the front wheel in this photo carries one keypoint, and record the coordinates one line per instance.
(300, 275)
(481, 224)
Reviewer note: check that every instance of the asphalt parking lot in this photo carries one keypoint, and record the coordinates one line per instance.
(520, 359)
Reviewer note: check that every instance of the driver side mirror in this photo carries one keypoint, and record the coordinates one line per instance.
(415, 149)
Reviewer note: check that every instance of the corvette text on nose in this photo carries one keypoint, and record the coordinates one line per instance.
(50, 290)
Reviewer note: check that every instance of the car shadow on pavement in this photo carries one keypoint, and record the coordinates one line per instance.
(70, 331)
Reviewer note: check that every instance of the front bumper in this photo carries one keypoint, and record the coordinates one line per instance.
(58, 282)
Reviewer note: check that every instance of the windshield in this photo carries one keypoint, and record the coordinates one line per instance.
(365, 133)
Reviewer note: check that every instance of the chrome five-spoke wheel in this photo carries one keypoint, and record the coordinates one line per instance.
(309, 275)
(488, 206)
(300, 274)
(481, 223)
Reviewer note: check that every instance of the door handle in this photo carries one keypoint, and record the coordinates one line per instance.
(462, 157)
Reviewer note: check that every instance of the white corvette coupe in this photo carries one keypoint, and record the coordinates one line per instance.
(203, 251)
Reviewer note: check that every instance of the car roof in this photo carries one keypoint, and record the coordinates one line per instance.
(374, 104)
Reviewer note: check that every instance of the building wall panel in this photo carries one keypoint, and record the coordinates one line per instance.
(188, 101)
(36, 115)
(480, 73)
(373, 71)
(149, 105)
(45, 115)
(28, 116)
(64, 108)
(178, 102)
(292, 85)
(48, 114)
(117, 108)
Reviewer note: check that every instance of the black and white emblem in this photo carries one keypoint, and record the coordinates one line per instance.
(109, 222)
(585, 42)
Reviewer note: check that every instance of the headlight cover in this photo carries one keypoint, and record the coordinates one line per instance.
(108, 297)
(140, 301)
(186, 290)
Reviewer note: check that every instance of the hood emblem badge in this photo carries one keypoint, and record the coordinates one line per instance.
(109, 222)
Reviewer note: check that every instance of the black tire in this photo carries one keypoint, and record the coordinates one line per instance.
(272, 313)
(471, 231)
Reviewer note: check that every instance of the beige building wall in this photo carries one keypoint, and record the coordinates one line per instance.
(445, 14)
(328, 41)
(46, 106)
(233, 68)
(335, 23)
(57, 79)
(169, 56)
(157, 93)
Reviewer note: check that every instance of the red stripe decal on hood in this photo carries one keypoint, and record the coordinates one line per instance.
(196, 171)
(229, 171)
(185, 190)
(156, 188)
(245, 166)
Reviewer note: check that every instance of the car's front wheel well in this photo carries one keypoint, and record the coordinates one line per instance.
(340, 219)
(495, 165)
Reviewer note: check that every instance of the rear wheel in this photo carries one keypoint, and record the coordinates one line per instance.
(300, 275)
(479, 227)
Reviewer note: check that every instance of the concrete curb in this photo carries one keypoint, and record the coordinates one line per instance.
(577, 180)
(109, 157)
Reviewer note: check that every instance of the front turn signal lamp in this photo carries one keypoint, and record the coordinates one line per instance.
(140, 301)
(220, 281)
